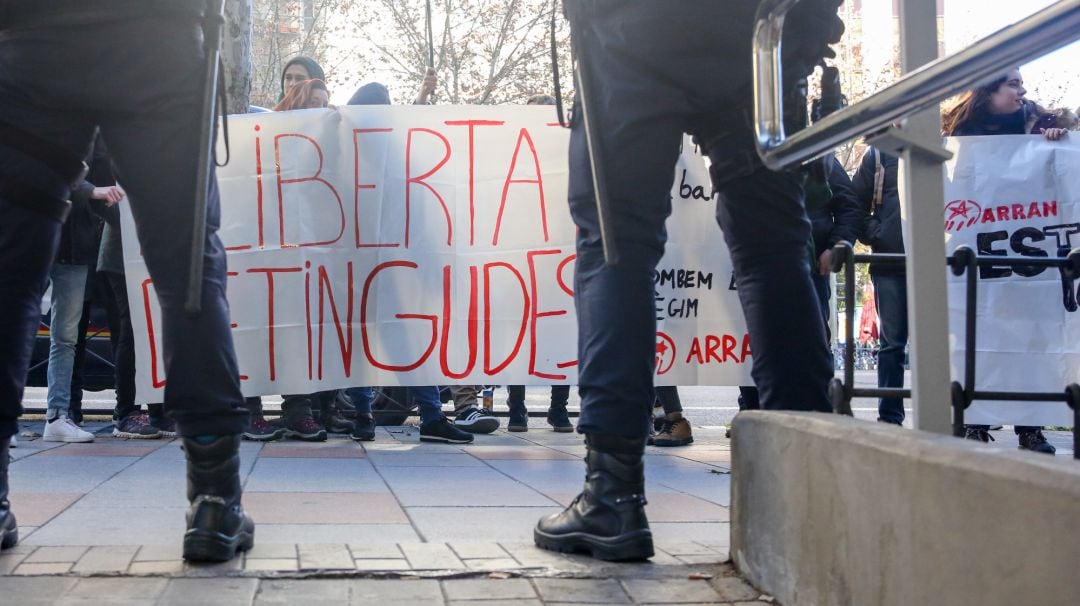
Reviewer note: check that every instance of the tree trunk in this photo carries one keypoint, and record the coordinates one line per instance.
(236, 55)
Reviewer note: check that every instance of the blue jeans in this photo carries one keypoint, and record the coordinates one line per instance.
(890, 294)
(68, 289)
(427, 398)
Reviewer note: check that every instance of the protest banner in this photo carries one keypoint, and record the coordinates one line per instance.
(1015, 196)
(430, 245)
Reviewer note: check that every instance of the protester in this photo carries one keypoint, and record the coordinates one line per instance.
(309, 94)
(674, 429)
(1000, 108)
(299, 69)
(557, 416)
(70, 271)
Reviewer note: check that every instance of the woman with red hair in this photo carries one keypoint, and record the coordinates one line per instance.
(309, 94)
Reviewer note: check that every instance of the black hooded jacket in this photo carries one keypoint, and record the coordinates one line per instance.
(876, 189)
(835, 216)
(81, 233)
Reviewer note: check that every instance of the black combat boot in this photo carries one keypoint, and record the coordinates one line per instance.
(9, 531)
(607, 520)
(217, 526)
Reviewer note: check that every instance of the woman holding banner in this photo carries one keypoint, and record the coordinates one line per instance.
(1000, 108)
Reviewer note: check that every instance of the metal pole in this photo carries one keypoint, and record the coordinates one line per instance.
(213, 22)
(920, 206)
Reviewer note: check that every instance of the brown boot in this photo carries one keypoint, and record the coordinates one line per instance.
(675, 432)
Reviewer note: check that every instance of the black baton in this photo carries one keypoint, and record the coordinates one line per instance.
(213, 22)
(583, 74)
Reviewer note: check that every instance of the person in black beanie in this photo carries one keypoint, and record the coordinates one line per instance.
(298, 69)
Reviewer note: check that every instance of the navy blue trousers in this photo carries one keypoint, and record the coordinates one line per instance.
(139, 80)
(662, 71)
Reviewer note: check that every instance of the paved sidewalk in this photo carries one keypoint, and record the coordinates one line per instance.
(394, 520)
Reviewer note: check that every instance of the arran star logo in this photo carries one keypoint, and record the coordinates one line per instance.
(961, 213)
(665, 353)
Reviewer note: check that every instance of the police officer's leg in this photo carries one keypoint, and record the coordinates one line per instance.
(152, 131)
(766, 230)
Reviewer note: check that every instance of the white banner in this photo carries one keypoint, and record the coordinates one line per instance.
(1017, 196)
(430, 245)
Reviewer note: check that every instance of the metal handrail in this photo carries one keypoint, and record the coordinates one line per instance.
(1042, 32)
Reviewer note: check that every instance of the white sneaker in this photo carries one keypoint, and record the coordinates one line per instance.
(65, 430)
(14, 442)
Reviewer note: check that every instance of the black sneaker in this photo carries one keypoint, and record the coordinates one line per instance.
(442, 430)
(559, 420)
(364, 429)
(335, 423)
(344, 405)
(165, 425)
(1035, 441)
(136, 426)
(519, 418)
(977, 433)
(476, 420)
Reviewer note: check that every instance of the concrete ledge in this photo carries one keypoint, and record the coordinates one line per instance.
(831, 510)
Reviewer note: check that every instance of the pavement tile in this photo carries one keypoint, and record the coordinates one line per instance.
(169, 567)
(114, 558)
(492, 564)
(683, 548)
(685, 532)
(209, 592)
(391, 458)
(670, 591)
(94, 449)
(382, 564)
(529, 555)
(37, 508)
(324, 508)
(270, 564)
(733, 588)
(395, 592)
(57, 554)
(499, 524)
(70, 475)
(712, 558)
(500, 453)
(117, 589)
(678, 507)
(375, 551)
(29, 590)
(209, 569)
(515, 602)
(276, 551)
(313, 475)
(331, 449)
(329, 533)
(488, 589)
(325, 556)
(472, 550)
(316, 592)
(597, 591)
(86, 524)
(459, 486)
(159, 553)
(431, 556)
(8, 562)
(43, 568)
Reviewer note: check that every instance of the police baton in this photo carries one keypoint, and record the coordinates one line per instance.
(213, 22)
(584, 75)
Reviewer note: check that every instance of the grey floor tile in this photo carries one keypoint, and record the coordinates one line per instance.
(370, 550)
(9, 561)
(329, 533)
(595, 591)
(670, 591)
(665, 532)
(512, 524)
(325, 556)
(469, 484)
(514, 602)
(117, 588)
(431, 556)
(488, 589)
(57, 554)
(64, 474)
(391, 458)
(85, 524)
(391, 592)
(467, 550)
(314, 592)
(113, 558)
(209, 592)
(313, 475)
(34, 590)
